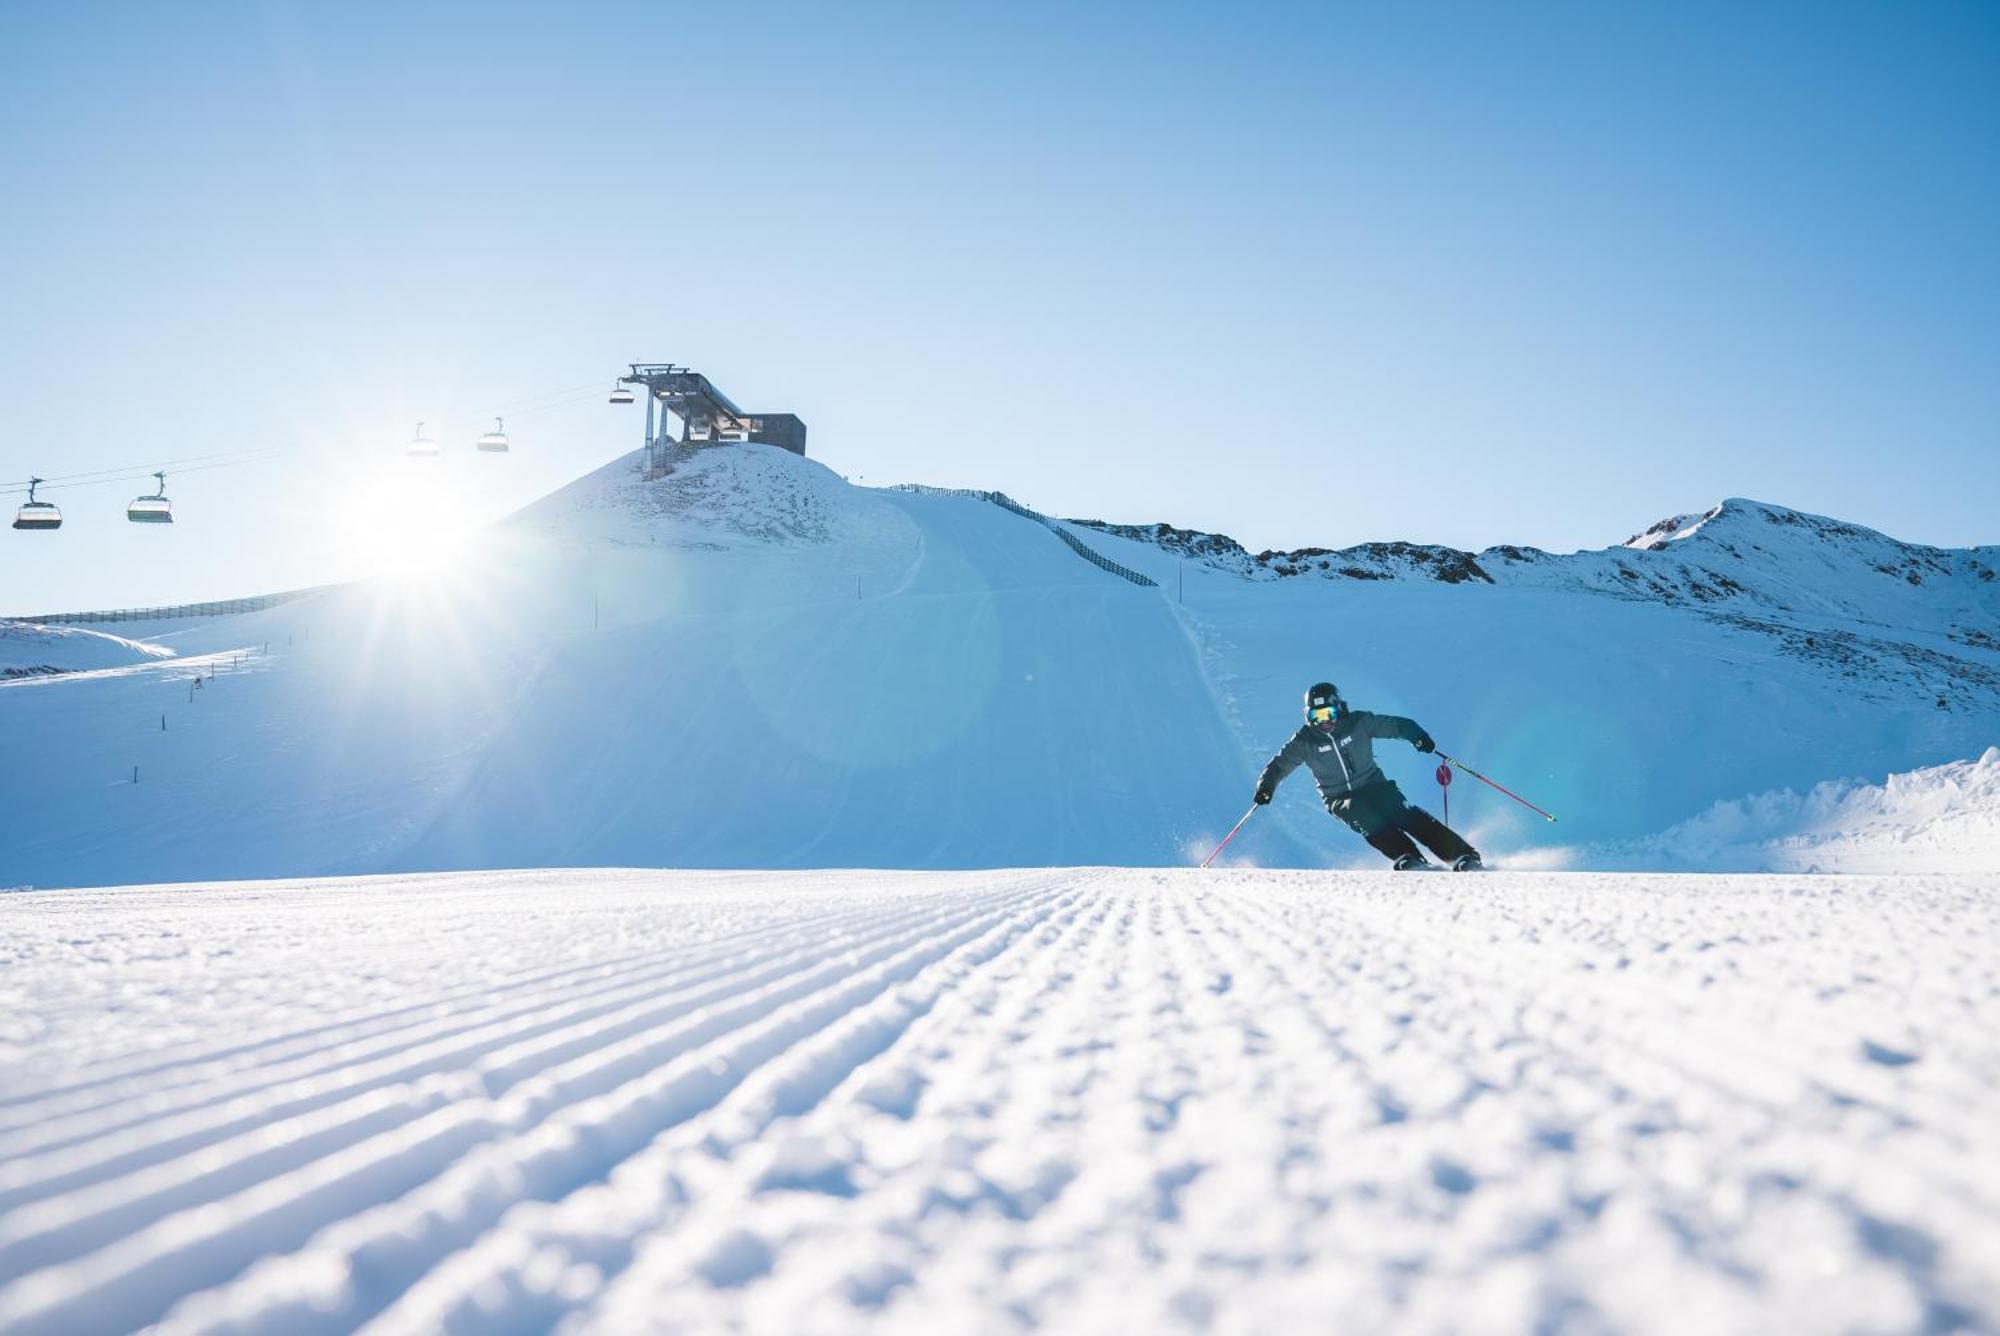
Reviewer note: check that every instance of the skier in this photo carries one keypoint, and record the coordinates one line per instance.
(1337, 743)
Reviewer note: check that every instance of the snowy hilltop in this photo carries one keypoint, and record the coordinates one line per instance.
(751, 662)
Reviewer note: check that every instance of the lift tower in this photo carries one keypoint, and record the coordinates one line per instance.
(706, 414)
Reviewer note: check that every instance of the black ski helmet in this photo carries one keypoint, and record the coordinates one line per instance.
(1321, 695)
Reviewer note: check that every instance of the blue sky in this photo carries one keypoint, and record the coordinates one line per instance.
(1304, 274)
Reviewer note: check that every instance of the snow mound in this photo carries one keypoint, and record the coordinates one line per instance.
(1943, 818)
(31, 650)
(719, 497)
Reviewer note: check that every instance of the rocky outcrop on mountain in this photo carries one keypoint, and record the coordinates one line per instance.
(1364, 561)
(1379, 561)
(1217, 550)
(1659, 534)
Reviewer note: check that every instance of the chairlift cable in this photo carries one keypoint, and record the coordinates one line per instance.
(585, 397)
(134, 471)
(533, 404)
(554, 399)
(139, 475)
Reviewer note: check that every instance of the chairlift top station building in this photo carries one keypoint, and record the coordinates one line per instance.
(707, 416)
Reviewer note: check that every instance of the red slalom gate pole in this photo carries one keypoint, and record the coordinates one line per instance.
(1444, 789)
(1230, 836)
(1453, 760)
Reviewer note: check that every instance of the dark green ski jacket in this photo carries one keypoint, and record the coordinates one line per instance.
(1341, 757)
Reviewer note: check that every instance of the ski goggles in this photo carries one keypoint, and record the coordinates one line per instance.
(1322, 714)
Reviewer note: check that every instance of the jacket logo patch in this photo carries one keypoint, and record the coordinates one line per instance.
(1327, 748)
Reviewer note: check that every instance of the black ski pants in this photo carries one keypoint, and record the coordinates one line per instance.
(1381, 815)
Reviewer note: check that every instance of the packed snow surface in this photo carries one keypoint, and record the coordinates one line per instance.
(1083, 1100)
(1943, 818)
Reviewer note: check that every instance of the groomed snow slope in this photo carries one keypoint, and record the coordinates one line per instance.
(983, 1102)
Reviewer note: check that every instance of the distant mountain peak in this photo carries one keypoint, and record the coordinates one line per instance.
(1740, 516)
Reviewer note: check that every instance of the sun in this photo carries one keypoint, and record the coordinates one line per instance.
(407, 525)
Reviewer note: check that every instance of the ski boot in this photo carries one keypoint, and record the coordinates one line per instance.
(1467, 863)
(1413, 863)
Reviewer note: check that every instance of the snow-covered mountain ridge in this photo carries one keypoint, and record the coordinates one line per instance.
(1741, 551)
(1863, 604)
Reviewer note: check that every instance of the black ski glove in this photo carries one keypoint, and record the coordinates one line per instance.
(1425, 743)
(1263, 796)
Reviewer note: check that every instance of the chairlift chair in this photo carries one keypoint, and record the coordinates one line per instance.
(620, 395)
(422, 445)
(153, 509)
(495, 442)
(35, 514)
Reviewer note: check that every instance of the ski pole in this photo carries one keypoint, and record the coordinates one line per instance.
(1230, 836)
(1453, 760)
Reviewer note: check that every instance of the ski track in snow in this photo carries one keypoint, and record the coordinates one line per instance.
(1076, 1100)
